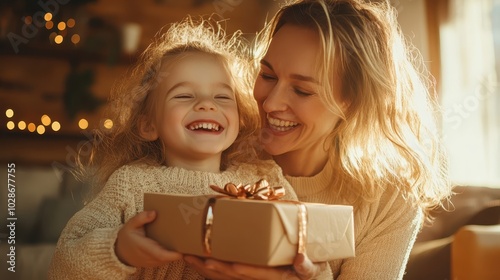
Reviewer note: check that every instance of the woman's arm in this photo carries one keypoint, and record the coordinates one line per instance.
(388, 234)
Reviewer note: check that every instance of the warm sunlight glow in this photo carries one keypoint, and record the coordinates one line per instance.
(21, 125)
(10, 125)
(56, 126)
(83, 124)
(9, 113)
(46, 120)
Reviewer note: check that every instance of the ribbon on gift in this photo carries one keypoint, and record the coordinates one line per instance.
(261, 190)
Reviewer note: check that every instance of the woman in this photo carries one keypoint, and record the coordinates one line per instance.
(348, 117)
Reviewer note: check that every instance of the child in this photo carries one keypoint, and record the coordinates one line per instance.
(185, 124)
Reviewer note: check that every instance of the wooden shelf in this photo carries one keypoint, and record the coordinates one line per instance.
(31, 148)
(71, 54)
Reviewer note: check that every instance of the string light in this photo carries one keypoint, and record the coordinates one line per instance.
(75, 39)
(56, 126)
(31, 127)
(9, 113)
(40, 129)
(10, 125)
(83, 124)
(21, 125)
(108, 124)
(61, 25)
(47, 17)
(28, 20)
(70, 23)
(58, 39)
(46, 120)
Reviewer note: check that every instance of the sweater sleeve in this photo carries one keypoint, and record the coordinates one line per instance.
(85, 249)
(389, 234)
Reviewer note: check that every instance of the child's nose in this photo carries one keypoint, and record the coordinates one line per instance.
(205, 104)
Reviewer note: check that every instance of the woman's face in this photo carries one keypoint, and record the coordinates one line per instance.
(295, 121)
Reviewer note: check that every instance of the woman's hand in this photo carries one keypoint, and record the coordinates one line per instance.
(303, 268)
(133, 248)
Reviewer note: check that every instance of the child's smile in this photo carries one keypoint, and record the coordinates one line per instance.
(205, 126)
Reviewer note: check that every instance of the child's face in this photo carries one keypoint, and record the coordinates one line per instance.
(197, 113)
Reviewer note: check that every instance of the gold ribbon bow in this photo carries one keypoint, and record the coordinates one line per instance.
(259, 191)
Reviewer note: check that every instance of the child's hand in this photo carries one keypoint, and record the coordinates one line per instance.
(133, 248)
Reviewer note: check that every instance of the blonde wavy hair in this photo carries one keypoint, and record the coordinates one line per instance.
(133, 100)
(387, 137)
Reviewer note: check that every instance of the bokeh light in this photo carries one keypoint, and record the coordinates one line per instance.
(56, 126)
(31, 127)
(40, 129)
(83, 124)
(9, 113)
(46, 120)
(61, 25)
(108, 124)
(70, 23)
(49, 25)
(28, 20)
(21, 125)
(10, 125)
(58, 39)
(47, 17)
(75, 39)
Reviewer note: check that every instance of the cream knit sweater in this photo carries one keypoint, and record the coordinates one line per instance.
(85, 249)
(385, 230)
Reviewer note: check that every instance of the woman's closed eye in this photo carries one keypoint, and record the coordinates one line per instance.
(301, 92)
(267, 77)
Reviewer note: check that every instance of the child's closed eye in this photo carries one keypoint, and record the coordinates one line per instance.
(183, 96)
(224, 96)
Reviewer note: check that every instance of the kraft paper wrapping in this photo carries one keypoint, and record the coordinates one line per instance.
(250, 231)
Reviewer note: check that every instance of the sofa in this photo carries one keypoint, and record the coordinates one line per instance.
(463, 242)
(46, 199)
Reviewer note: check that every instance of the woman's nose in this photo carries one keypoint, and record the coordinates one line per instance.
(276, 99)
(205, 104)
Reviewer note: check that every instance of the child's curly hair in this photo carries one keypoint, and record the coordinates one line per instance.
(132, 100)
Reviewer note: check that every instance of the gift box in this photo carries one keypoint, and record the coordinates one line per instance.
(257, 232)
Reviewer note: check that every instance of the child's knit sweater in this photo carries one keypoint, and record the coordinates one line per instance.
(86, 248)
